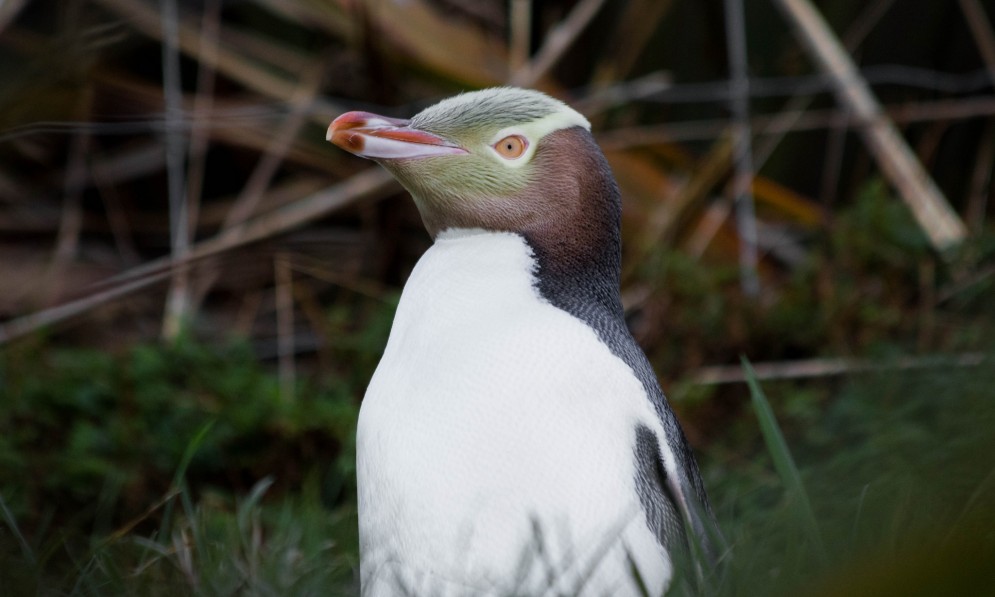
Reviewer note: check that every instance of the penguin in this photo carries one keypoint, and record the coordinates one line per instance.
(514, 439)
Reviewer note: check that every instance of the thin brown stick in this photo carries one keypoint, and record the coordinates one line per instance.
(603, 97)
(27, 324)
(520, 29)
(707, 227)
(981, 30)
(202, 107)
(316, 316)
(9, 11)
(709, 172)
(71, 218)
(793, 122)
(134, 162)
(865, 22)
(177, 298)
(832, 166)
(742, 149)
(665, 216)
(557, 42)
(809, 368)
(247, 312)
(636, 25)
(969, 281)
(117, 219)
(981, 179)
(262, 78)
(319, 270)
(284, 290)
(271, 159)
(180, 290)
(124, 531)
(926, 319)
(371, 184)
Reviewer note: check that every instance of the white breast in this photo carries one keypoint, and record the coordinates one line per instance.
(495, 448)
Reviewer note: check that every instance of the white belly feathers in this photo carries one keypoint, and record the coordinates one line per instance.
(495, 448)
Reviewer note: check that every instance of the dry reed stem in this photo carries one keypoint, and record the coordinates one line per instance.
(709, 171)
(520, 27)
(707, 227)
(981, 177)
(71, 215)
(9, 9)
(203, 105)
(318, 269)
(370, 184)
(283, 289)
(177, 297)
(793, 122)
(809, 368)
(742, 154)
(981, 180)
(558, 41)
(900, 166)
(32, 322)
(182, 301)
(117, 220)
(703, 179)
(133, 162)
(257, 77)
(636, 25)
(273, 156)
(413, 30)
(981, 30)
(773, 132)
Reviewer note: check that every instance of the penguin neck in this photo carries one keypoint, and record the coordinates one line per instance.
(578, 249)
(578, 284)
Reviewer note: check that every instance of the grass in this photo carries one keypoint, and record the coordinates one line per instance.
(893, 492)
(213, 545)
(784, 463)
(171, 470)
(179, 469)
(885, 487)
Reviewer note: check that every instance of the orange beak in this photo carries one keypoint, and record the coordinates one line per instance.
(381, 138)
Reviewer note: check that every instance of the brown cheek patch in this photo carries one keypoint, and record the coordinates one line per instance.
(569, 205)
(579, 205)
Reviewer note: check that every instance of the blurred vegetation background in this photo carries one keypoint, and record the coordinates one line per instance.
(195, 288)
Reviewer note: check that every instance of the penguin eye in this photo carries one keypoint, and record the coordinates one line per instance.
(511, 147)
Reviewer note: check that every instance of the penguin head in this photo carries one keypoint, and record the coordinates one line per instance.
(504, 159)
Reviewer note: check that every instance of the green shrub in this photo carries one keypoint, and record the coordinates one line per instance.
(77, 424)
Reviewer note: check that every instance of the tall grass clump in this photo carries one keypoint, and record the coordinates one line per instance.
(171, 469)
(886, 488)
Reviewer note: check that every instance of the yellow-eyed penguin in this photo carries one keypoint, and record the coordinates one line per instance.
(514, 439)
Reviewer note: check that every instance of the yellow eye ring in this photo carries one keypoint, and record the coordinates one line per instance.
(511, 147)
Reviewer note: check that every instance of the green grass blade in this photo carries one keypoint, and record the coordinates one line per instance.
(8, 518)
(783, 462)
(181, 472)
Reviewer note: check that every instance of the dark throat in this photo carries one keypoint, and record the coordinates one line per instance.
(577, 243)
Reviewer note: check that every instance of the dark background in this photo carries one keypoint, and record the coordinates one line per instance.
(195, 287)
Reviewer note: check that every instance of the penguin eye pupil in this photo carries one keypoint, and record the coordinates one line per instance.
(511, 147)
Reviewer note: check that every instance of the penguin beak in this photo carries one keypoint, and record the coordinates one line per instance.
(382, 138)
